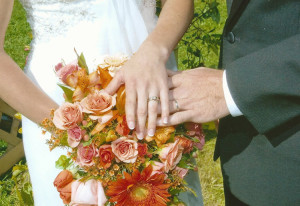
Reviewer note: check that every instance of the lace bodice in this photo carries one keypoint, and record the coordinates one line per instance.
(54, 17)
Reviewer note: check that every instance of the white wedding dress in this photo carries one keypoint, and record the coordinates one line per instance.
(94, 27)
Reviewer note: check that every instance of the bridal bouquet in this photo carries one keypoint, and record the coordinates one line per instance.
(105, 163)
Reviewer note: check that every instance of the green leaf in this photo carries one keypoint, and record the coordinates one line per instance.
(88, 142)
(63, 162)
(81, 61)
(64, 140)
(68, 92)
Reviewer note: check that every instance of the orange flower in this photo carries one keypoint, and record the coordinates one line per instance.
(186, 143)
(142, 149)
(63, 183)
(162, 135)
(122, 127)
(63, 178)
(143, 189)
(106, 156)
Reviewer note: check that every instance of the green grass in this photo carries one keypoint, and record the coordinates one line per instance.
(19, 35)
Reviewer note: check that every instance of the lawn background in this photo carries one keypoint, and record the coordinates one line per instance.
(15, 188)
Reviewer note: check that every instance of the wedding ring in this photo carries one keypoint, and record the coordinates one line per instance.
(177, 105)
(153, 98)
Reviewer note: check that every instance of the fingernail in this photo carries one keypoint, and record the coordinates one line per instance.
(131, 125)
(166, 120)
(151, 132)
(140, 136)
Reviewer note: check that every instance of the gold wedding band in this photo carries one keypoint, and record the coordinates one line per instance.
(177, 106)
(153, 98)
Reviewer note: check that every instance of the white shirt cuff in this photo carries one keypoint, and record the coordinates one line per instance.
(232, 107)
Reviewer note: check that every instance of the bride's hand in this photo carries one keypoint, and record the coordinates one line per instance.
(145, 79)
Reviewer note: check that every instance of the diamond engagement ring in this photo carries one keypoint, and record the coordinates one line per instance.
(176, 106)
(153, 98)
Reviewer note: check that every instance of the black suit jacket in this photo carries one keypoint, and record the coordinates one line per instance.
(260, 151)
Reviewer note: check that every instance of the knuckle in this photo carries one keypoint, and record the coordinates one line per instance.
(142, 112)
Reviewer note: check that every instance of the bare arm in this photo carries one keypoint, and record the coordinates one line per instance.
(15, 87)
(145, 74)
(173, 22)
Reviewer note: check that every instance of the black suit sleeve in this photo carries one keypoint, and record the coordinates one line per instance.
(265, 84)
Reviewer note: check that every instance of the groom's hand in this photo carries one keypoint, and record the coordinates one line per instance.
(196, 96)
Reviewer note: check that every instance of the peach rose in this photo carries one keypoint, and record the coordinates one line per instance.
(106, 156)
(126, 150)
(86, 154)
(98, 103)
(90, 192)
(67, 116)
(170, 155)
(74, 136)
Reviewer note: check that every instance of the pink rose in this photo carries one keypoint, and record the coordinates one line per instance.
(195, 130)
(74, 136)
(98, 103)
(170, 155)
(64, 71)
(86, 154)
(90, 192)
(67, 116)
(181, 171)
(126, 150)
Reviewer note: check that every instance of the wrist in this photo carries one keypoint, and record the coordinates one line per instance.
(160, 51)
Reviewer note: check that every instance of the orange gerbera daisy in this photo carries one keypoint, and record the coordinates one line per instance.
(139, 189)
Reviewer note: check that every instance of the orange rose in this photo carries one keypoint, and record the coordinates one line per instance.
(65, 193)
(63, 178)
(170, 155)
(63, 183)
(67, 116)
(186, 143)
(106, 156)
(142, 149)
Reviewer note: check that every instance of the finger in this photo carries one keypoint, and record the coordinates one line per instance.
(152, 114)
(172, 73)
(130, 105)
(177, 118)
(177, 79)
(115, 83)
(141, 113)
(164, 101)
(174, 106)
